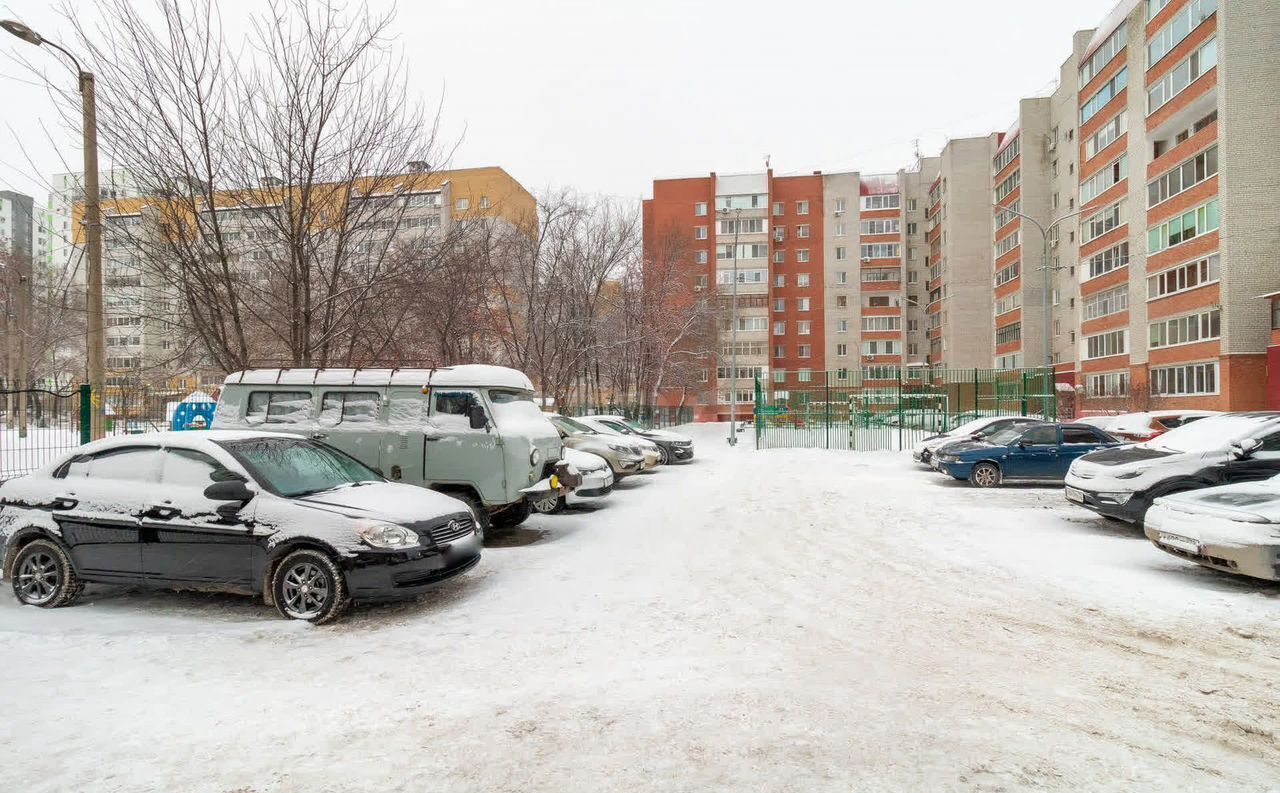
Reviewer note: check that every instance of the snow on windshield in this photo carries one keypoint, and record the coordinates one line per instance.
(516, 411)
(1209, 433)
(970, 426)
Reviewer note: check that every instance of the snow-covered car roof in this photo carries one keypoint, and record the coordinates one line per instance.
(472, 374)
(196, 440)
(1142, 420)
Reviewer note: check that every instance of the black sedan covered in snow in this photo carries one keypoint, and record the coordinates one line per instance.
(300, 523)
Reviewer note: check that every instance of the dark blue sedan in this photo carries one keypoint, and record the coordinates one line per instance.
(1044, 451)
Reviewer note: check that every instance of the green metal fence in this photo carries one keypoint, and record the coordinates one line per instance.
(888, 408)
(38, 425)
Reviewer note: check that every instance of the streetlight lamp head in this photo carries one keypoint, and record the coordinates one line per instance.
(21, 31)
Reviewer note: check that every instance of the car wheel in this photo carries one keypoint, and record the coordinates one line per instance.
(309, 586)
(43, 576)
(546, 506)
(664, 457)
(985, 475)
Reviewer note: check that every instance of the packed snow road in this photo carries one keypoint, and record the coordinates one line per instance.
(781, 620)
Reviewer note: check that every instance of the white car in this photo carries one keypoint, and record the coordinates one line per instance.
(299, 523)
(597, 482)
(675, 448)
(970, 430)
(1123, 482)
(652, 454)
(1233, 528)
(1141, 427)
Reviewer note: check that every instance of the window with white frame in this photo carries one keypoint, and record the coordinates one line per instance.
(779, 304)
(886, 201)
(881, 324)
(842, 325)
(1105, 179)
(1183, 177)
(802, 231)
(1104, 53)
(1103, 262)
(779, 257)
(839, 205)
(1184, 227)
(1009, 333)
(1201, 326)
(881, 250)
(1104, 345)
(1011, 361)
(745, 276)
(1182, 75)
(842, 277)
(700, 208)
(780, 328)
(1104, 95)
(1178, 28)
(1007, 273)
(1109, 133)
(745, 201)
(1106, 303)
(885, 226)
(802, 304)
(699, 232)
(804, 351)
(746, 250)
(842, 301)
(842, 350)
(779, 281)
(804, 327)
(802, 207)
(1186, 380)
(1008, 214)
(779, 375)
(1006, 155)
(842, 253)
(841, 230)
(1107, 384)
(741, 226)
(700, 257)
(1006, 244)
(802, 279)
(746, 324)
(1008, 303)
(802, 255)
(1102, 221)
(1008, 184)
(1183, 277)
(882, 347)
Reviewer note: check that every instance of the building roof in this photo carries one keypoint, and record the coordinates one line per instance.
(462, 375)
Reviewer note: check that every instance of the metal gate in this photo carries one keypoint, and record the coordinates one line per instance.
(888, 408)
(38, 425)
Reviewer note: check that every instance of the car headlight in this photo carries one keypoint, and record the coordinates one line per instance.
(1129, 474)
(535, 456)
(618, 447)
(387, 535)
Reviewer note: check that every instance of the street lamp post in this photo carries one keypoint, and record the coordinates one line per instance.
(733, 331)
(96, 338)
(1044, 266)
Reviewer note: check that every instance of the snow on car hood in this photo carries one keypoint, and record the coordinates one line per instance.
(665, 435)
(1123, 455)
(389, 501)
(1251, 501)
(584, 461)
(962, 446)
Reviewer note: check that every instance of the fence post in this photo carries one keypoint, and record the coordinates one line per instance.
(975, 393)
(1024, 392)
(86, 413)
(826, 408)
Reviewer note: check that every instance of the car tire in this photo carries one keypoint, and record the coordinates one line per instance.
(307, 585)
(43, 576)
(985, 475)
(512, 516)
(548, 505)
(664, 457)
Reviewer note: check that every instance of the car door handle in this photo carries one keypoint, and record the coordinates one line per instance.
(431, 439)
(65, 502)
(319, 435)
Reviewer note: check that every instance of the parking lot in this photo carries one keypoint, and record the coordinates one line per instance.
(782, 620)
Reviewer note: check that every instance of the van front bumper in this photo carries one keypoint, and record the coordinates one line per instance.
(377, 575)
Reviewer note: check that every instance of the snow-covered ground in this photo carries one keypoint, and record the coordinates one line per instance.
(793, 620)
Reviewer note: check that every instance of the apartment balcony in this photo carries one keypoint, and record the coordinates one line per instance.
(882, 286)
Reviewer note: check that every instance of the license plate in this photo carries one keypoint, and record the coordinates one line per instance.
(1178, 541)
(1075, 495)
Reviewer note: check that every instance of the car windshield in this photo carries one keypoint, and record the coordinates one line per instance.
(567, 424)
(292, 467)
(632, 425)
(1212, 432)
(512, 407)
(969, 427)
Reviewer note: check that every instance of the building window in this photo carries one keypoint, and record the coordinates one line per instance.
(802, 231)
(746, 250)
(802, 304)
(803, 327)
(462, 204)
(700, 208)
(1182, 75)
(805, 350)
(842, 301)
(1104, 95)
(912, 228)
(700, 257)
(1183, 228)
(779, 375)
(1103, 304)
(888, 201)
(1108, 384)
(779, 281)
(779, 328)
(1110, 133)
(1006, 244)
(780, 304)
(882, 347)
(802, 255)
(1007, 186)
(881, 324)
(1112, 258)
(1189, 380)
(842, 277)
(1009, 333)
(842, 326)
(1183, 277)
(890, 226)
(839, 204)
(1105, 179)
(1104, 345)
(881, 250)
(802, 207)
(1008, 303)
(842, 253)
(802, 279)
(779, 208)
(1105, 52)
(1203, 326)
(1178, 28)
(842, 350)
(699, 232)
(1006, 274)
(1006, 155)
(779, 257)
(779, 351)
(1183, 177)
(1102, 222)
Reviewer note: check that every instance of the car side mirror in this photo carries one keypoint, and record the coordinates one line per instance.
(234, 494)
(1023, 443)
(1242, 450)
(475, 415)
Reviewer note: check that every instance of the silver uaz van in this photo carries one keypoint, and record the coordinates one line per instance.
(472, 431)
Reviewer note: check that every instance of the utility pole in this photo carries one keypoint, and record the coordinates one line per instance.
(96, 352)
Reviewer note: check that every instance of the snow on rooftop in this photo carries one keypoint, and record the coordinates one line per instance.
(1108, 26)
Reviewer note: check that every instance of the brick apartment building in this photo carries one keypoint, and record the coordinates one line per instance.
(1150, 166)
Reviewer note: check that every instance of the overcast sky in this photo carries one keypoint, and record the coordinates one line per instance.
(606, 95)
